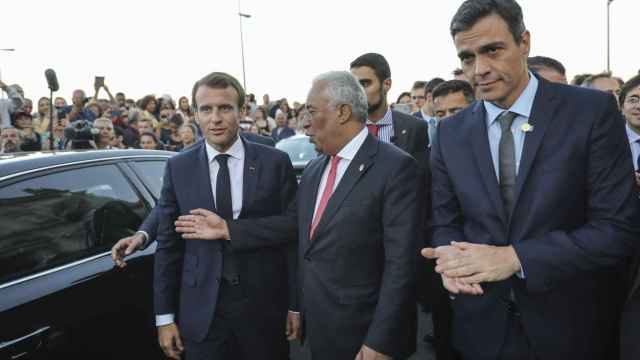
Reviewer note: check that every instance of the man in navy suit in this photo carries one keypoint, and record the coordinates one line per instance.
(220, 283)
(282, 131)
(359, 228)
(534, 208)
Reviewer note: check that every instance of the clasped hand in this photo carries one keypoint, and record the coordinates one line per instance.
(464, 266)
(203, 225)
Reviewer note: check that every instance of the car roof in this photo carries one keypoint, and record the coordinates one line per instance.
(15, 163)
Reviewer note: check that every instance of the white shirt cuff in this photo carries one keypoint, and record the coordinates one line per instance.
(165, 319)
(146, 238)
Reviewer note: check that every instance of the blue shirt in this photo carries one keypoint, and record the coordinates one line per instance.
(85, 114)
(522, 107)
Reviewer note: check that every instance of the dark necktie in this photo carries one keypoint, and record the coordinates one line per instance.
(638, 158)
(507, 160)
(224, 207)
(373, 129)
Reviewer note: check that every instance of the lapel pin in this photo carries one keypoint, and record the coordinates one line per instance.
(252, 169)
(526, 127)
(404, 131)
(361, 167)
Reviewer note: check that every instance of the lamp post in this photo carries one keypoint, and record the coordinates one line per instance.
(240, 16)
(608, 36)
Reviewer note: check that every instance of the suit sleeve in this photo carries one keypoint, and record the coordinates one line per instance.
(270, 231)
(150, 226)
(446, 215)
(402, 234)
(611, 230)
(169, 251)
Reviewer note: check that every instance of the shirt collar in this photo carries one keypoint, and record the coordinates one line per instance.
(349, 151)
(632, 135)
(236, 150)
(426, 117)
(387, 119)
(522, 106)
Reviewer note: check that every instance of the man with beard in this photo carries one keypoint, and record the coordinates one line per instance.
(9, 140)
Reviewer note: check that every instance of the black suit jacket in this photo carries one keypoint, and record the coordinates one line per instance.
(285, 133)
(411, 135)
(574, 221)
(358, 272)
(187, 271)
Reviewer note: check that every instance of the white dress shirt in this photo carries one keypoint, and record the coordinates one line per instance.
(236, 171)
(634, 143)
(346, 155)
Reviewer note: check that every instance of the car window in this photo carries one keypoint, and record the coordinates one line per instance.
(152, 172)
(299, 149)
(57, 218)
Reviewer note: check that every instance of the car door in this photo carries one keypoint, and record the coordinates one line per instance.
(60, 294)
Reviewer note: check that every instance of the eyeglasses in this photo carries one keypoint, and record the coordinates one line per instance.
(417, 97)
(634, 100)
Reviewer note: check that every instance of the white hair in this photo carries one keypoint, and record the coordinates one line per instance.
(343, 88)
(280, 112)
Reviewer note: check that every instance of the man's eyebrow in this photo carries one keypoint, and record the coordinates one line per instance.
(464, 54)
(492, 45)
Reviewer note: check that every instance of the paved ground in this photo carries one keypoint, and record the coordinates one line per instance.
(424, 350)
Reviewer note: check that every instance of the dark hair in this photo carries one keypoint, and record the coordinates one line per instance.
(631, 84)
(457, 72)
(471, 11)
(218, 80)
(154, 137)
(261, 109)
(146, 100)
(432, 84)
(579, 79)
(375, 61)
(418, 85)
(120, 94)
(588, 81)
(176, 119)
(539, 62)
(406, 93)
(454, 86)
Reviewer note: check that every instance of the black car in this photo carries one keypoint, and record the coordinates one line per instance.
(300, 151)
(60, 295)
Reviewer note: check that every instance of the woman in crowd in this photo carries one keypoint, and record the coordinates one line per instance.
(41, 120)
(261, 121)
(149, 106)
(149, 141)
(185, 110)
(174, 141)
(58, 135)
(105, 135)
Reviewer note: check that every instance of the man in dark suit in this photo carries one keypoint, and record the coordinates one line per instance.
(149, 228)
(426, 111)
(533, 203)
(359, 228)
(282, 130)
(221, 288)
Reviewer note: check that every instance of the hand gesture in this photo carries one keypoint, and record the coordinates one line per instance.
(293, 326)
(202, 224)
(367, 353)
(125, 247)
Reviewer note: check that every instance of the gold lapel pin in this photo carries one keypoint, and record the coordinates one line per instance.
(404, 131)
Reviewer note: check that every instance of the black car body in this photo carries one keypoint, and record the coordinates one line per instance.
(60, 295)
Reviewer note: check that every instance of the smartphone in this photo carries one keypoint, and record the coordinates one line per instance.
(99, 82)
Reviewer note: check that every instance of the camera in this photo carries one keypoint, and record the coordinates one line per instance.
(80, 133)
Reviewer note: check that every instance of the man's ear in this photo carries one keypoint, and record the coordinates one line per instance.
(386, 85)
(344, 113)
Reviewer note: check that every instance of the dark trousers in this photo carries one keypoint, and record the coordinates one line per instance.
(234, 334)
(516, 345)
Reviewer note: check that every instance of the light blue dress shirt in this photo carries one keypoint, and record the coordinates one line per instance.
(634, 143)
(522, 107)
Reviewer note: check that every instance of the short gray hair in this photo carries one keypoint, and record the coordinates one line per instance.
(343, 88)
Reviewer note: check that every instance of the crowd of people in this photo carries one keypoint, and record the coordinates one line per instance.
(518, 188)
(118, 122)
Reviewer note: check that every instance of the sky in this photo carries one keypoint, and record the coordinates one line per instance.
(162, 47)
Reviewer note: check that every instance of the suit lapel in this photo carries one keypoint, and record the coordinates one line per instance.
(313, 176)
(400, 132)
(478, 136)
(358, 167)
(541, 116)
(250, 175)
(204, 196)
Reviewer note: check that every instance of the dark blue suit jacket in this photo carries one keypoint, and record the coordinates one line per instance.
(358, 272)
(285, 133)
(418, 114)
(187, 271)
(574, 219)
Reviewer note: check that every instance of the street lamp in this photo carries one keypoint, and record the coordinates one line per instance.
(608, 37)
(240, 16)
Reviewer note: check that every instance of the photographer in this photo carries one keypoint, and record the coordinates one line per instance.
(31, 140)
(10, 105)
(58, 135)
(77, 110)
(80, 134)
